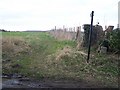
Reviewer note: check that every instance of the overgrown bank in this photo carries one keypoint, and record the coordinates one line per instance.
(38, 55)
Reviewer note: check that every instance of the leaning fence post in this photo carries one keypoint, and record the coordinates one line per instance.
(90, 35)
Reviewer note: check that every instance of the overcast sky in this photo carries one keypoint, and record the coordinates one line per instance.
(46, 14)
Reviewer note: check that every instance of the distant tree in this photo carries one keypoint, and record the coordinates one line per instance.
(3, 30)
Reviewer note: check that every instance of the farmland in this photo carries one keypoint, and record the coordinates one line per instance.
(38, 55)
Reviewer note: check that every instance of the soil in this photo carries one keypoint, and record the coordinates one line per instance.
(18, 81)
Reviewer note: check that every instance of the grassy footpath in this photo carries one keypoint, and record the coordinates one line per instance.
(33, 49)
(38, 55)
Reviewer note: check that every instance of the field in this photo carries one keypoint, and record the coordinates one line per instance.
(39, 55)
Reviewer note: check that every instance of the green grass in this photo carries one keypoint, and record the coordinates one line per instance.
(41, 44)
(49, 58)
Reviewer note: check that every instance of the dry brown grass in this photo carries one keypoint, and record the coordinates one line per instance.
(14, 45)
(63, 35)
(61, 53)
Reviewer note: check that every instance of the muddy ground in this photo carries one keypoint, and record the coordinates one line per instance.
(16, 81)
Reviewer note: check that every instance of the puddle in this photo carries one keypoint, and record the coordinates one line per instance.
(17, 81)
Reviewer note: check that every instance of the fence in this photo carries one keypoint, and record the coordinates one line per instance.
(67, 33)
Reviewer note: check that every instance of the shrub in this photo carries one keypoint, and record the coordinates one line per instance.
(115, 40)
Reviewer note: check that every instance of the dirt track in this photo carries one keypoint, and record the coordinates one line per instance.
(27, 83)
